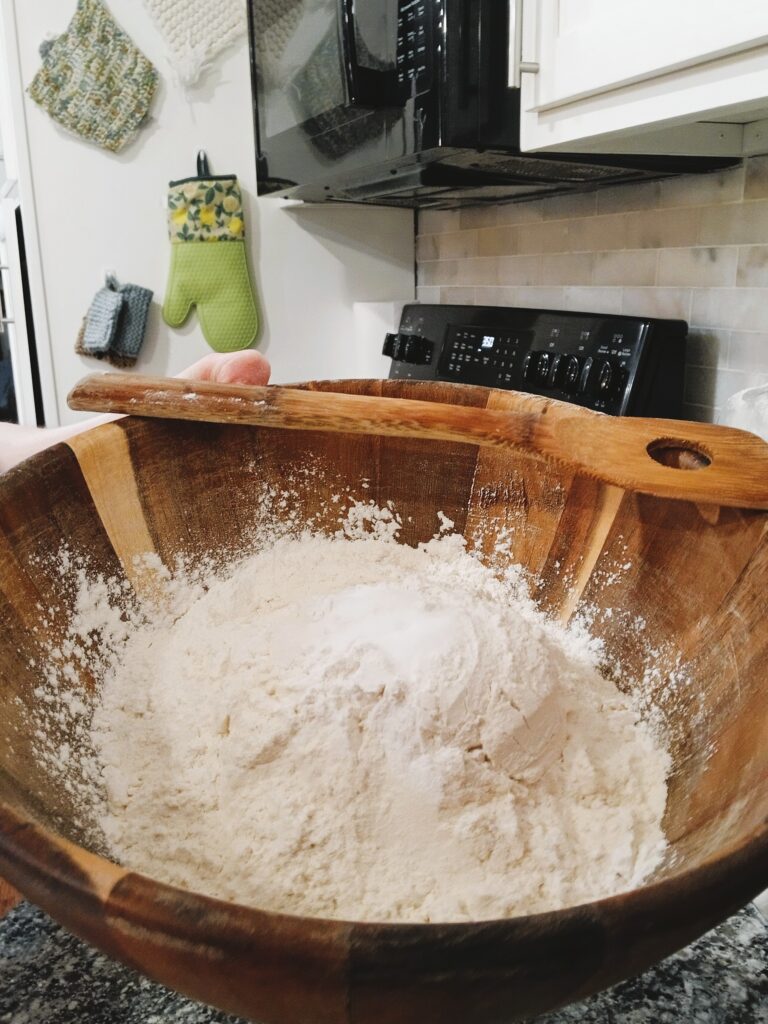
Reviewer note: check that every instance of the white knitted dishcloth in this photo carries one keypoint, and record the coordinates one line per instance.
(196, 31)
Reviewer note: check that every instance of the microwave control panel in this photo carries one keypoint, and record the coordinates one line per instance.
(613, 364)
(414, 46)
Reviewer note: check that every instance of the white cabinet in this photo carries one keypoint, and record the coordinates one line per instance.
(675, 76)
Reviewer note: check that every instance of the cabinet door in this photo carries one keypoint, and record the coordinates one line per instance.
(615, 66)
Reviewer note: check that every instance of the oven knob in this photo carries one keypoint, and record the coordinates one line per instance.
(605, 376)
(542, 367)
(585, 379)
(393, 346)
(571, 373)
(557, 370)
(528, 365)
(408, 348)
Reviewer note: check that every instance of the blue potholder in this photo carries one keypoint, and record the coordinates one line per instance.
(115, 325)
(101, 321)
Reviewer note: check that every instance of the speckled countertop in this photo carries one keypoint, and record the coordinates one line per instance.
(49, 977)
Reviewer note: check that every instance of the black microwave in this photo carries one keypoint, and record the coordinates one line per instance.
(406, 103)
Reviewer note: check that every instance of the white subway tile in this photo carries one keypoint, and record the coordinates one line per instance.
(593, 300)
(748, 350)
(739, 309)
(549, 236)
(659, 229)
(642, 196)
(520, 270)
(698, 267)
(725, 186)
(593, 234)
(499, 296)
(735, 223)
(540, 298)
(497, 241)
(674, 303)
(477, 271)
(756, 183)
(753, 266)
(427, 293)
(501, 215)
(426, 247)
(479, 217)
(457, 245)
(625, 267)
(436, 221)
(566, 268)
(458, 296)
(582, 234)
(439, 272)
(579, 204)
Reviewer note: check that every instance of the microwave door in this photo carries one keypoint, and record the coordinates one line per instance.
(334, 86)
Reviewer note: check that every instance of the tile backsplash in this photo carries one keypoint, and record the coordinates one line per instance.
(693, 248)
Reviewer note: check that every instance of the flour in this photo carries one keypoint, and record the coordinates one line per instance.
(349, 727)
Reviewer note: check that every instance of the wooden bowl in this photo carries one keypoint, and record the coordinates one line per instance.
(696, 573)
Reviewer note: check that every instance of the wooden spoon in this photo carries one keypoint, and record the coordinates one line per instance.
(669, 458)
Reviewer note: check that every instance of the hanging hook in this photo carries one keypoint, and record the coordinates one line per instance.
(203, 170)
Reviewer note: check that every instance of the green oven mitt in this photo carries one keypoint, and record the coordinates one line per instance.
(209, 268)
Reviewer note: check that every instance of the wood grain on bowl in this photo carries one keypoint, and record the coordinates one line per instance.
(9, 897)
(693, 461)
(676, 584)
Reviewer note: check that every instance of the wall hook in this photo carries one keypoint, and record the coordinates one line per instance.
(203, 170)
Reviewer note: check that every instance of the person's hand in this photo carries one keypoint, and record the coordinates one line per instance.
(248, 367)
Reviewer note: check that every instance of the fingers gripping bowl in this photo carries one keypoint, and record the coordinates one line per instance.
(692, 572)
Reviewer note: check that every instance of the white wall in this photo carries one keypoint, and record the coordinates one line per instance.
(97, 211)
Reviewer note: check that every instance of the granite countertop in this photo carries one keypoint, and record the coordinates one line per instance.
(49, 977)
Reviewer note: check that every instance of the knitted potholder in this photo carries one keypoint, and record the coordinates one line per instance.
(126, 345)
(101, 321)
(115, 325)
(93, 80)
(195, 31)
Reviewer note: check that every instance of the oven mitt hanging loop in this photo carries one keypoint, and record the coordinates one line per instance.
(209, 268)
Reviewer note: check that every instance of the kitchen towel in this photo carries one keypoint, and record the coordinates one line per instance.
(93, 80)
(196, 31)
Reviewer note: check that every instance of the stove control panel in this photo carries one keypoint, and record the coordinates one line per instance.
(614, 364)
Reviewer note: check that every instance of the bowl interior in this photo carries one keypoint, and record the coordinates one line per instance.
(675, 590)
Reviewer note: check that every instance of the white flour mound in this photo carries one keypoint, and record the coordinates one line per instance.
(362, 730)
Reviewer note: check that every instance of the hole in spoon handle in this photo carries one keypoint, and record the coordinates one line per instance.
(679, 454)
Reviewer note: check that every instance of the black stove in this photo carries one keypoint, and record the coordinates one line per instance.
(623, 365)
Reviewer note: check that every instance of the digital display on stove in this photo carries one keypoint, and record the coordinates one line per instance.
(473, 355)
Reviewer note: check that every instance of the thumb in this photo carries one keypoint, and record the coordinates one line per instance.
(247, 367)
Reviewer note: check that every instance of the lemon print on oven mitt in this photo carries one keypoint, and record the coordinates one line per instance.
(209, 268)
